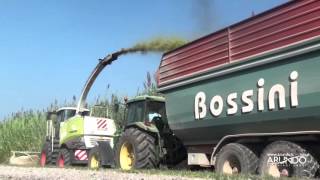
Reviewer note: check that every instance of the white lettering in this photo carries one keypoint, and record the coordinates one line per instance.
(276, 95)
(294, 88)
(277, 89)
(233, 106)
(246, 95)
(216, 105)
(260, 94)
(200, 108)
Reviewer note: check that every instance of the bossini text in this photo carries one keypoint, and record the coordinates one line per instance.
(216, 104)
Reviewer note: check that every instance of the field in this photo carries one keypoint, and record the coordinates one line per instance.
(23, 131)
(25, 173)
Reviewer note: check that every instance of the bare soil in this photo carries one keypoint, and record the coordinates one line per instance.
(26, 173)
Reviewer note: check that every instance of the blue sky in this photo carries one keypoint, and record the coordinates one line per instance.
(49, 48)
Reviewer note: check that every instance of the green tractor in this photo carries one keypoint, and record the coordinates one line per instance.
(146, 140)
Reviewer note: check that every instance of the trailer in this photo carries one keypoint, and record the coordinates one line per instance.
(250, 94)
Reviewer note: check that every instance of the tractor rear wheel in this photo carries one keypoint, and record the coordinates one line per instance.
(136, 150)
(46, 154)
(64, 158)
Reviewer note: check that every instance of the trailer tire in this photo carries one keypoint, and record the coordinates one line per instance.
(136, 150)
(63, 158)
(94, 160)
(307, 169)
(46, 154)
(236, 158)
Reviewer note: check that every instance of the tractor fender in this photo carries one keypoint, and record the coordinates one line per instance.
(148, 128)
(107, 154)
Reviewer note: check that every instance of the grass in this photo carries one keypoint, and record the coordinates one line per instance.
(23, 131)
(204, 174)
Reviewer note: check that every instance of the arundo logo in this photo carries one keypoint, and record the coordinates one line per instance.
(287, 159)
(217, 102)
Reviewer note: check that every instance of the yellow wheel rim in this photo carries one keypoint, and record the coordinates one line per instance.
(94, 162)
(126, 156)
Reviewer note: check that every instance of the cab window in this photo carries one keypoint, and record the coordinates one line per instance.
(136, 112)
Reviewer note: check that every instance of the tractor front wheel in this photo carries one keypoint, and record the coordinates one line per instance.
(94, 160)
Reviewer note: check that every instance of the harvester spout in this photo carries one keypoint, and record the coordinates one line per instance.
(97, 70)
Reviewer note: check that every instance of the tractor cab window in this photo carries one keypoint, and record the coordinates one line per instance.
(156, 109)
(136, 112)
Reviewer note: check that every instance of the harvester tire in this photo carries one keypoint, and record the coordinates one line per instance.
(136, 150)
(63, 158)
(236, 158)
(303, 164)
(94, 160)
(46, 154)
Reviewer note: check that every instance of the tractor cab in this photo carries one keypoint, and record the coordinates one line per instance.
(149, 110)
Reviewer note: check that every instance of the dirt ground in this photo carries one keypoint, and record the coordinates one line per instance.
(25, 173)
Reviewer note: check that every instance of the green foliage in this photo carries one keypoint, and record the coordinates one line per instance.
(23, 131)
(149, 85)
(160, 44)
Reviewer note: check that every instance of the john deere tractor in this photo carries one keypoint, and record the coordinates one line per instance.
(146, 140)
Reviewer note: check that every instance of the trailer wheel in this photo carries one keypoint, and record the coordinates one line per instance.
(136, 150)
(46, 154)
(283, 158)
(64, 158)
(94, 161)
(236, 158)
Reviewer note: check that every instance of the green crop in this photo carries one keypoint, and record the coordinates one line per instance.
(23, 131)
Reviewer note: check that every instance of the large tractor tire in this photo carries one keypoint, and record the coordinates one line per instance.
(63, 158)
(136, 150)
(94, 160)
(46, 154)
(298, 163)
(236, 158)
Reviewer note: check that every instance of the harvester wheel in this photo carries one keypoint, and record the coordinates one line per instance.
(287, 159)
(94, 161)
(136, 150)
(46, 154)
(63, 158)
(236, 158)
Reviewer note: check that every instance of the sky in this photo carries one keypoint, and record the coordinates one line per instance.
(49, 48)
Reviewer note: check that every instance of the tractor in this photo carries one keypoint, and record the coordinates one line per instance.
(145, 141)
